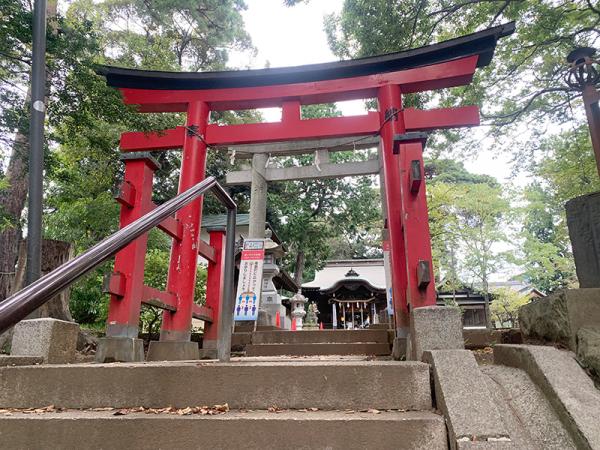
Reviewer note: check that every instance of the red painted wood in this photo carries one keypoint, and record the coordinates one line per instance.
(214, 287)
(165, 297)
(389, 98)
(448, 74)
(207, 251)
(251, 133)
(292, 128)
(417, 243)
(116, 284)
(203, 313)
(124, 311)
(163, 140)
(172, 227)
(184, 253)
(126, 195)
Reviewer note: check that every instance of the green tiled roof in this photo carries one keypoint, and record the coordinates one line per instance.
(220, 220)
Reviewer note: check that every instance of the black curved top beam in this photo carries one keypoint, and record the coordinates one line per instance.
(482, 43)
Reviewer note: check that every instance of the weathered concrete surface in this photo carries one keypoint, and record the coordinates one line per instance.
(358, 348)
(298, 383)
(240, 340)
(564, 383)
(588, 349)
(461, 394)
(173, 351)
(120, 349)
(528, 416)
(12, 360)
(233, 430)
(52, 339)
(319, 336)
(434, 328)
(583, 220)
(558, 317)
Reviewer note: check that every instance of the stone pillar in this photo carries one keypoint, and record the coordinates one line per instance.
(584, 230)
(334, 315)
(258, 197)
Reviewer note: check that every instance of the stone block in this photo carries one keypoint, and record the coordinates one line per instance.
(53, 340)
(13, 360)
(208, 353)
(173, 351)
(564, 383)
(588, 349)
(558, 317)
(399, 348)
(120, 349)
(435, 328)
(583, 214)
(462, 395)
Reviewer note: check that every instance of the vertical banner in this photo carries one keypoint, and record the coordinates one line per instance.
(388, 277)
(249, 283)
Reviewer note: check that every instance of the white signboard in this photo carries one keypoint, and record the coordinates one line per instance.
(249, 283)
(388, 277)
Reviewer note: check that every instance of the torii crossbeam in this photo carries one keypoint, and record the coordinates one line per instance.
(386, 78)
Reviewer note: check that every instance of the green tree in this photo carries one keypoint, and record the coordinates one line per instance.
(315, 216)
(505, 307)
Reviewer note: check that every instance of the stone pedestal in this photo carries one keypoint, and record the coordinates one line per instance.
(270, 301)
(120, 349)
(434, 328)
(173, 351)
(583, 219)
(55, 341)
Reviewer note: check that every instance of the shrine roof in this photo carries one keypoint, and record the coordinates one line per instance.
(370, 271)
(482, 43)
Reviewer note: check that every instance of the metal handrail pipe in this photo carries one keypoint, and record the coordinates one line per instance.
(27, 300)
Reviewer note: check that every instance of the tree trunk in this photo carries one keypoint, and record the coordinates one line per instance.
(12, 202)
(299, 268)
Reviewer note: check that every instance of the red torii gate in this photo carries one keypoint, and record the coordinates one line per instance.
(447, 64)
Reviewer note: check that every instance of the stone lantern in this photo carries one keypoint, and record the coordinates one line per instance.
(270, 303)
(298, 313)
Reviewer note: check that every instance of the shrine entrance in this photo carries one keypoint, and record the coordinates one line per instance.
(401, 132)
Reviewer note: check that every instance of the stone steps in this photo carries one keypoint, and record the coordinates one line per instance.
(319, 342)
(301, 383)
(319, 336)
(315, 349)
(235, 429)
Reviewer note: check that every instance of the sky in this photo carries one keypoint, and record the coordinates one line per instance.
(294, 36)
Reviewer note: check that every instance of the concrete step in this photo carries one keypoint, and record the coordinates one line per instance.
(319, 336)
(235, 429)
(302, 383)
(360, 348)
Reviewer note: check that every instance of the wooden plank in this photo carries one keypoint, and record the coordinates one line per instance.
(158, 298)
(206, 251)
(287, 148)
(370, 167)
(202, 313)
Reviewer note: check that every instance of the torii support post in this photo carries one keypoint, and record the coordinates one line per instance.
(214, 289)
(407, 218)
(176, 325)
(126, 284)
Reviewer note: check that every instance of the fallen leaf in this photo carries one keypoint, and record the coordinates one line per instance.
(121, 412)
(374, 411)
(313, 409)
